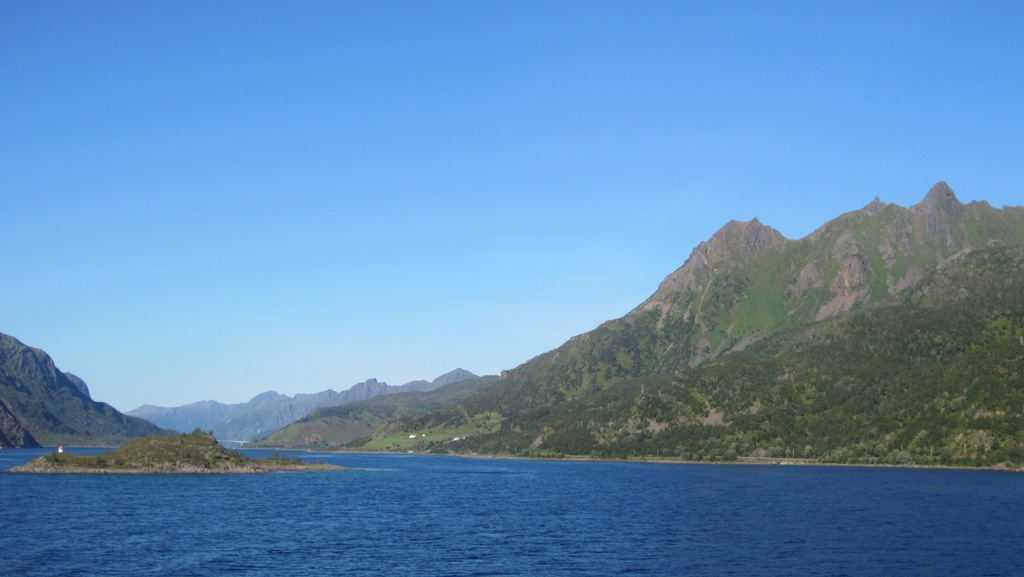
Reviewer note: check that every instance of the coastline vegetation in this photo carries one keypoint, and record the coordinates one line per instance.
(192, 453)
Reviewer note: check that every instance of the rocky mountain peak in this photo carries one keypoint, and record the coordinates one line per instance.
(875, 206)
(859, 257)
(267, 398)
(941, 193)
(940, 214)
(734, 244)
(739, 238)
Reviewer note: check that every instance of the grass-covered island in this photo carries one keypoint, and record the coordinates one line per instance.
(193, 453)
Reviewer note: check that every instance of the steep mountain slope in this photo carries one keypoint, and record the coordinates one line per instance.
(934, 377)
(743, 289)
(39, 404)
(270, 411)
(333, 427)
(748, 282)
(12, 434)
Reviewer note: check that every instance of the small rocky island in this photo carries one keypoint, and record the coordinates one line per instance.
(193, 453)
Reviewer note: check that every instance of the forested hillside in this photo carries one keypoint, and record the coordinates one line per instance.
(935, 379)
(889, 335)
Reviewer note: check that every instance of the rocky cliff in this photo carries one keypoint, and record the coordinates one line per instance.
(39, 404)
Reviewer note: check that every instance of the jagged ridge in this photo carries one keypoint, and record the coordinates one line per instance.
(271, 411)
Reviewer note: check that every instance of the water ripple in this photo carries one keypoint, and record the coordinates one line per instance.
(431, 516)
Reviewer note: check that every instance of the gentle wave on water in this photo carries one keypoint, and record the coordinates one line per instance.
(434, 516)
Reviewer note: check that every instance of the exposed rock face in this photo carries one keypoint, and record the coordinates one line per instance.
(12, 434)
(731, 246)
(810, 277)
(941, 216)
(896, 239)
(857, 258)
(852, 283)
(875, 206)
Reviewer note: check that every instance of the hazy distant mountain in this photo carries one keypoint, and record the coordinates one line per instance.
(262, 414)
(270, 411)
(333, 427)
(456, 376)
(39, 404)
(186, 418)
(888, 333)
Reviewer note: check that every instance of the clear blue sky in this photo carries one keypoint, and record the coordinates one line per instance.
(211, 199)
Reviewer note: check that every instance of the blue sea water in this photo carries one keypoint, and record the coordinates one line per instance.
(445, 516)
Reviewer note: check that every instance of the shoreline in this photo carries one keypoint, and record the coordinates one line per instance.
(196, 453)
(42, 465)
(256, 469)
(743, 461)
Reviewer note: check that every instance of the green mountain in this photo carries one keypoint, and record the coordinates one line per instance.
(334, 427)
(39, 404)
(746, 351)
(748, 282)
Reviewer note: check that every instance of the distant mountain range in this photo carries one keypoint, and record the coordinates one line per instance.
(334, 427)
(270, 411)
(890, 334)
(40, 405)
